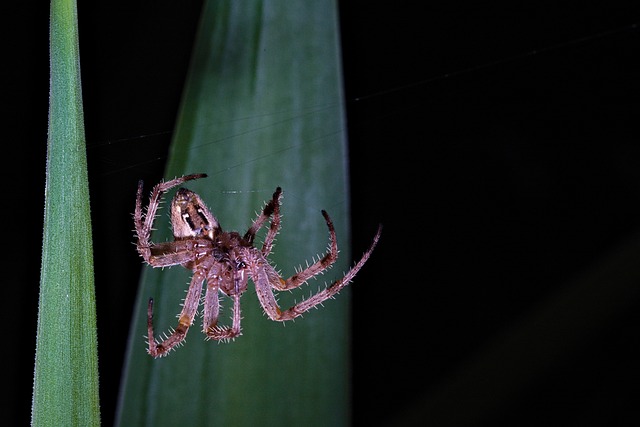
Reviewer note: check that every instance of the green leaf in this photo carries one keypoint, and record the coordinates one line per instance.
(66, 368)
(262, 108)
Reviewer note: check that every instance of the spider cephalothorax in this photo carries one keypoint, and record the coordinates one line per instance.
(225, 261)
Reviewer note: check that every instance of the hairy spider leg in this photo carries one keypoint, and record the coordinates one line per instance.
(274, 227)
(265, 278)
(212, 306)
(271, 209)
(144, 221)
(185, 320)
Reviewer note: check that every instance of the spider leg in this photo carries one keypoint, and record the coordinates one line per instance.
(212, 309)
(144, 221)
(317, 267)
(265, 278)
(211, 302)
(332, 289)
(274, 227)
(178, 252)
(189, 309)
(271, 209)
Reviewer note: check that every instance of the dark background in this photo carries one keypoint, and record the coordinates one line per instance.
(498, 145)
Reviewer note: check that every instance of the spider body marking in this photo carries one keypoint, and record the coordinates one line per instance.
(225, 261)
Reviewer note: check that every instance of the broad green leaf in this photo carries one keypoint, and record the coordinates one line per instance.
(66, 368)
(262, 108)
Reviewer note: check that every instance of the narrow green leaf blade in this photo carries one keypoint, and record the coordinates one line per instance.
(262, 108)
(66, 367)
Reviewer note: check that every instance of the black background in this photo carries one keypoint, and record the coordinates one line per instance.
(499, 146)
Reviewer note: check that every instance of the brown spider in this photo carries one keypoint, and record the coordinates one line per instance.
(225, 260)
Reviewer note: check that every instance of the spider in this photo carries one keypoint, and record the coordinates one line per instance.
(225, 261)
